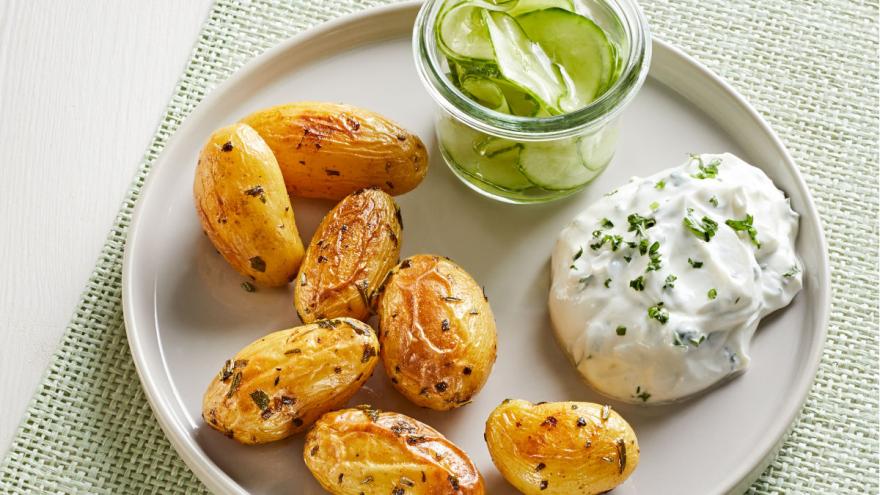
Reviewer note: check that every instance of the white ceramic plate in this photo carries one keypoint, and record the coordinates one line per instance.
(185, 312)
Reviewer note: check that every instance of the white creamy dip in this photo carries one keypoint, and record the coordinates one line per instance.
(658, 287)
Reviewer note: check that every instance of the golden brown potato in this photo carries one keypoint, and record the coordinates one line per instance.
(437, 332)
(352, 251)
(244, 208)
(329, 150)
(366, 452)
(282, 383)
(561, 447)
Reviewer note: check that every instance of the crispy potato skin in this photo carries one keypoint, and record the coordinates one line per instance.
(363, 451)
(437, 332)
(561, 448)
(244, 208)
(354, 248)
(329, 150)
(283, 382)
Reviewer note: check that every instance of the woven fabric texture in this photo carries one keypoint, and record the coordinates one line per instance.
(809, 66)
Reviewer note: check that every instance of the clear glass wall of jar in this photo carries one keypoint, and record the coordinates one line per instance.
(520, 159)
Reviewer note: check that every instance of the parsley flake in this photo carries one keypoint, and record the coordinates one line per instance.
(704, 229)
(638, 283)
(695, 263)
(640, 224)
(706, 171)
(658, 313)
(613, 240)
(576, 256)
(745, 225)
(670, 281)
(712, 294)
(621, 330)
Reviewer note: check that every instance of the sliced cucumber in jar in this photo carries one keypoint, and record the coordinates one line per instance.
(520, 102)
(463, 34)
(478, 78)
(459, 143)
(474, 68)
(579, 46)
(526, 6)
(490, 146)
(522, 61)
(486, 92)
(597, 149)
(555, 165)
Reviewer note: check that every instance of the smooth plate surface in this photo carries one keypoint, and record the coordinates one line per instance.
(186, 313)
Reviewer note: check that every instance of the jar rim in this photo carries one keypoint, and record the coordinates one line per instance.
(583, 120)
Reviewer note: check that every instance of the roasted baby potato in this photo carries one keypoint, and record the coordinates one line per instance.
(244, 208)
(561, 447)
(437, 332)
(367, 452)
(329, 150)
(282, 383)
(354, 248)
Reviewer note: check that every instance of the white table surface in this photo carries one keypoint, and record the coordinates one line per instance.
(83, 86)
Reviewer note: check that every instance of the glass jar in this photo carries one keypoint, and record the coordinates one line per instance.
(489, 150)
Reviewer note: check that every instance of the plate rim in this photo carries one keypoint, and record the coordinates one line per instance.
(218, 481)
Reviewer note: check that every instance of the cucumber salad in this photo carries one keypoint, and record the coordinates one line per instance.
(528, 58)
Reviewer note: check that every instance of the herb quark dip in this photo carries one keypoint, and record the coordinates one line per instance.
(658, 287)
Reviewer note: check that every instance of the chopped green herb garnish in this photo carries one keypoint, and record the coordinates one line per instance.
(714, 201)
(576, 256)
(643, 247)
(627, 258)
(745, 225)
(260, 399)
(792, 272)
(621, 330)
(654, 264)
(612, 193)
(704, 229)
(695, 263)
(638, 283)
(640, 224)
(614, 240)
(607, 283)
(236, 382)
(682, 339)
(642, 394)
(607, 224)
(248, 287)
(709, 171)
(670, 281)
(654, 205)
(660, 184)
(712, 294)
(658, 313)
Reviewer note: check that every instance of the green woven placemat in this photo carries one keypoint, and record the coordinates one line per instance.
(810, 67)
